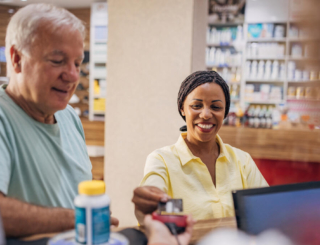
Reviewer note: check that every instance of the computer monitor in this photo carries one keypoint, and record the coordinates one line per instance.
(292, 209)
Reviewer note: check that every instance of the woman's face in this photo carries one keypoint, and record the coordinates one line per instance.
(204, 110)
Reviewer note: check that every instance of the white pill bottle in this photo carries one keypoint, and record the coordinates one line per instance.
(92, 213)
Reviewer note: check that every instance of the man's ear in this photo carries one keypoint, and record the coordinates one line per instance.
(15, 57)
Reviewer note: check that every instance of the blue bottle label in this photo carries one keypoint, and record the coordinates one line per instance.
(80, 226)
(100, 225)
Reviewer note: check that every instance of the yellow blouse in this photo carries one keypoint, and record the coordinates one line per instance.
(175, 170)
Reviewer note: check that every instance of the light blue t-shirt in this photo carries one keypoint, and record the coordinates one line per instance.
(41, 163)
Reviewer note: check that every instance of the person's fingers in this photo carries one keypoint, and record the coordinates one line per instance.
(144, 205)
(186, 236)
(151, 193)
(114, 221)
(147, 221)
(146, 198)
(190, 224)
(191, 220)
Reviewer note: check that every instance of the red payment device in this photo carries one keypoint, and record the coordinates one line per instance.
(170, 213)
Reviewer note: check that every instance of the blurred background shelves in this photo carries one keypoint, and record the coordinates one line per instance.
(266, 58)
(263, 81)
(267, 39)
(98, 60)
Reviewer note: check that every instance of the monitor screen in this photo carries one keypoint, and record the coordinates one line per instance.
(292, 209)
(277, 210)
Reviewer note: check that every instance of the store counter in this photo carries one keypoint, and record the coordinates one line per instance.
(201, 228)
(291, 145)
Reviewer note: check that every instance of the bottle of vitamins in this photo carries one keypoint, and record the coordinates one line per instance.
(92, 213)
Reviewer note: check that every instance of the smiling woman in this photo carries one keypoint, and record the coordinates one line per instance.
(199, 168)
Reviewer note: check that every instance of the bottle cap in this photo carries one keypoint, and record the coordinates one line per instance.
(92, 187)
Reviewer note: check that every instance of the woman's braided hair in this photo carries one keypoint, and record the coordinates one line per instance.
(198, 78)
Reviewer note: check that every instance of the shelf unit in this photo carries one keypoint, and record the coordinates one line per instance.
(276, 13)
(98, 60)
(274, 40)
(228, 39)
(266, 58)
(280, 58)
(285, 82)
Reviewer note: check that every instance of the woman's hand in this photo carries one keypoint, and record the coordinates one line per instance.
(158, 233)
(146, 199)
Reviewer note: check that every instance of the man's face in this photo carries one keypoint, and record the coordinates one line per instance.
(50, 73)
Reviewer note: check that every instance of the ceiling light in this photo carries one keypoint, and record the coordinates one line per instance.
(10, 11)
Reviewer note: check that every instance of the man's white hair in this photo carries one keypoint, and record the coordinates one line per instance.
(23, 29)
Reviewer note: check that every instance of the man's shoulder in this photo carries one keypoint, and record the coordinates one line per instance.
(7, 110)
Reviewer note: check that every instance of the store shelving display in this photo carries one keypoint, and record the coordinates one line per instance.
(279, 64)
(287, 61)
(259, 55)
(265, 63)
(98, 60)
(224, 54)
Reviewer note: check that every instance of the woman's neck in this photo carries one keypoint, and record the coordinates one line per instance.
(199, 148)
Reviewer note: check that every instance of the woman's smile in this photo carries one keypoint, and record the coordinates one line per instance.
(204, 110)
(205, 127)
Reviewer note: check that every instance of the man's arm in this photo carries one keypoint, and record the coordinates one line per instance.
(24, 219)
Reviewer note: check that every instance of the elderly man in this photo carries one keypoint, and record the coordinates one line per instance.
(42, 147)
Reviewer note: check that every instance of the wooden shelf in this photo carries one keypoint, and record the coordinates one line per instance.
(305, 82)
(263, 81)
(220, 45)
(221, 67)
(225, 24)
(267, 40)
(99, 112)
(303, 59)
(303, 100)
(302, 39)
(266, 58)
(266, 102)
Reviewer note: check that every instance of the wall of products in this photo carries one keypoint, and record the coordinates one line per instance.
(270, 65)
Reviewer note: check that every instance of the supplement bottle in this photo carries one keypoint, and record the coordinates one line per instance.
(92, 213)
